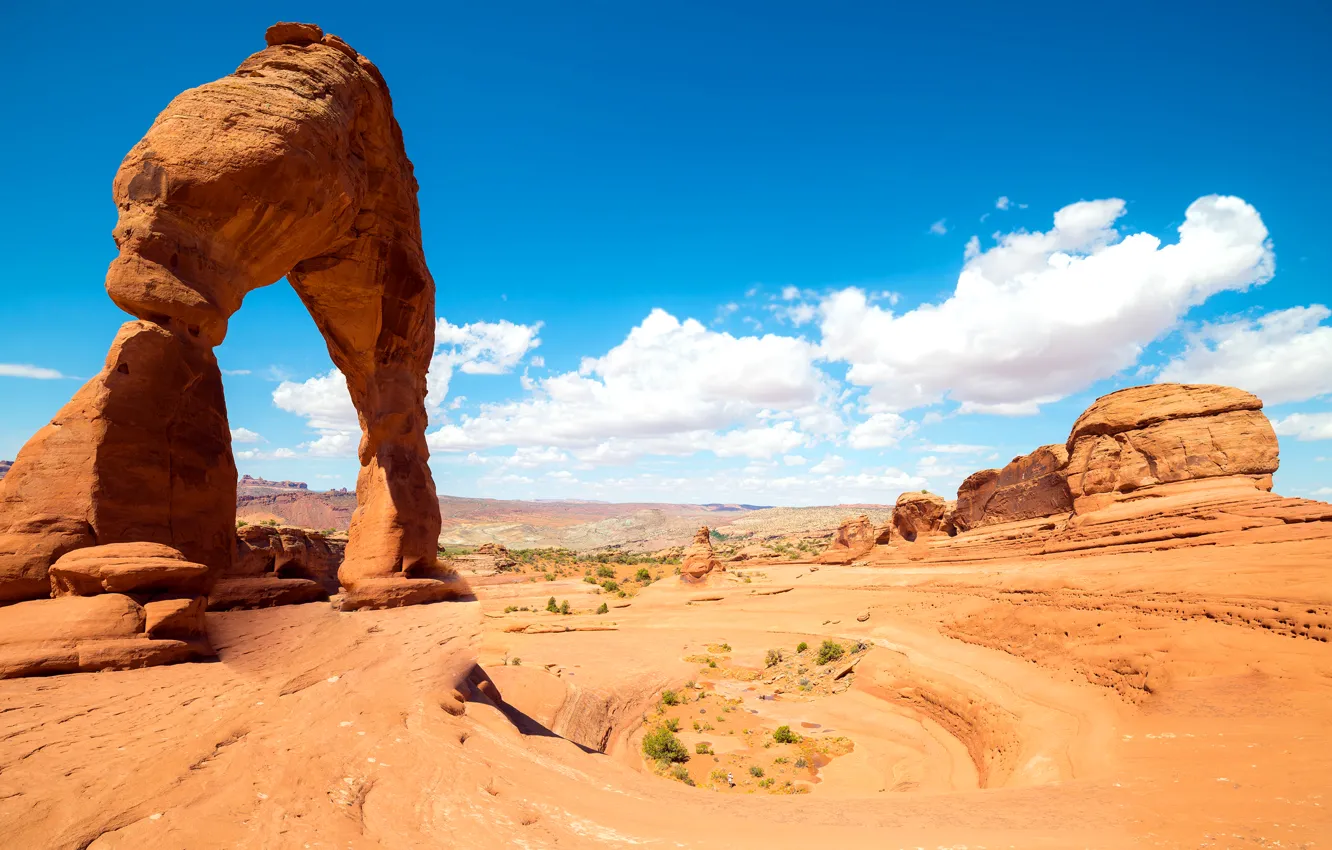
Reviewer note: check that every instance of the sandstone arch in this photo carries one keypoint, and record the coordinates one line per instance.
(292, 166)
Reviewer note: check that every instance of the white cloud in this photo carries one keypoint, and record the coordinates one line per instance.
(794, 460)
(531, 457)
(1282, 356)
(245, 435)
(235, 371)
(537, 361)
(1043, 315)
(798, 314)
(1323, 491)
(952, 448)
(1003, 203)
(829, 465)
(1305, 426)
(256, 454)
(27, 370)
(940, 227)
(790, 293)
(670, 387)
(880, 431)
(477, 348)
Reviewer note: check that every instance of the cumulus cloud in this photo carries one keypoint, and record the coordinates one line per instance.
(1305, 426)
(1042, 315)
(953, 448)
(1003, 203)
(794, 460)
(671, 387)
(880, 431)
(831, 464)
(940, 227)
(477, 348)
(27, 370)
(1285, 355)
(245, 435)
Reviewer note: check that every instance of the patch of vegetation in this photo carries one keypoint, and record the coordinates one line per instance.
(773, 658)
(703, 748)
(564, 607)
(661, 745)
(800, 762)
(550, 576)
(240, 523)
(602, 608)
(780, 760)
(589, 579)
(682, 774)
(669, 697)
(610, 586)
(756, 771)
(830, 651)
(643, 575)
(712, 663)
(605, 572)
(552, 606)
(784, 735)
(802, 646)
(766, 783)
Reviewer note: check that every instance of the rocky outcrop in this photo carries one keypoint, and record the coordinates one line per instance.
(921, 514)
(249, 482)
(292, 167)
(278, 566)
(1029, 486)
(854, 539)
(699, 561)
(4, 467)
(1165, 433)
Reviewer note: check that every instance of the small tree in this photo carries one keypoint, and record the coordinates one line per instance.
(606, 572)
(802, 646)
(551, 606)
(602, 609)
(670, 697)
(564, 607)
(829, 652)
(643, 574)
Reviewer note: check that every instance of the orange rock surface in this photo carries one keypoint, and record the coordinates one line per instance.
(698, 561)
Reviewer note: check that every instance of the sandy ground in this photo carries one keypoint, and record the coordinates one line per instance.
(1154, 699)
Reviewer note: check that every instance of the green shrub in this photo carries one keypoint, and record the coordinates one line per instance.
(550, 576)
(756, 772)
(802, 646)
(672, 723)
(606, 572)
(773, 658)
(602, 609)
(800, 762)
(670, 697)
(682, 774)
(829, 652)
(643, 574)
(784, 735)
(712, 663)
(780, 760)
(240, 523)
(610, 586)
(726, 647)
(551, 606)
(703, 748)
(766, 783)
(517, 662)
(564, 607)
(661, 745)
(589, 579)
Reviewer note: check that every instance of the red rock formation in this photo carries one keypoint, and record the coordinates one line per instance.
(921, 514)
(292, 166)
(1029, 486)
(1163, 433)
(699, 561)
(278, 566)
(854, 539)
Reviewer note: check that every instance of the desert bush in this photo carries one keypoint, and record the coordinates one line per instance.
(240, 523)
(610, 586)
(773, 658)
(517, 662)
(829, 652)
(756, 771)
(784, 735)
(589, 579)
(682, 774)
(717, 775)
(800, 762)
(564, 607)
(766, 783)
(602, 608)
(712, 663)
(703, 748)
(643, 574)
(670, 697)
(672, 723)
(661, 745)
(605, 572)
(802, 646)
(780, 760)
(552, 606)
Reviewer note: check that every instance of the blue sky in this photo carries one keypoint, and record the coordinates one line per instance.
(805, 186)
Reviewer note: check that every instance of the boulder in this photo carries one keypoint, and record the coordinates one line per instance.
(699, 561)
(920, 514)
(1029, 486)
(178, 619)
(1164, 433)
(230, 594)
(141, 568)
(854, 539)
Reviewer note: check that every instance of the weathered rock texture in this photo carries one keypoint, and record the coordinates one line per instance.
(921, 514)
(292, 166)
(699, 561)
(1029, 486)
(855, 538)
(1163, 433)
(278, 566)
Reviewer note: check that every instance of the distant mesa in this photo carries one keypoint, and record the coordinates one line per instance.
(251, 481)
(4, 467)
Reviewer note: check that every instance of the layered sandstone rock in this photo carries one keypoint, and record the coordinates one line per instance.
(292, 166)
(919, 514)
(1164, 433)
(1029, 486)
(699, 561)
(854, 539)
(278, 566)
